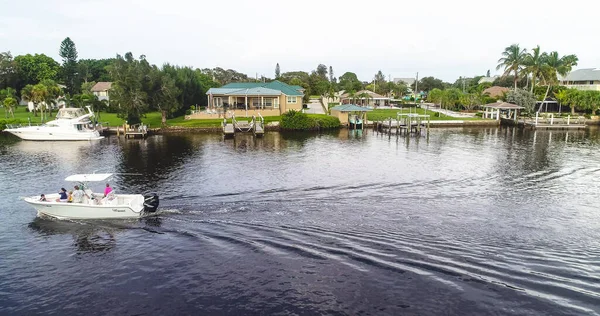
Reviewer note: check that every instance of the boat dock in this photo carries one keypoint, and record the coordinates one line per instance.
(554, 123)
(255, 126)
(404, 123)
(133, 131)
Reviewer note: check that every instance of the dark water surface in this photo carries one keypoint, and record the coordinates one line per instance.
(466, 222)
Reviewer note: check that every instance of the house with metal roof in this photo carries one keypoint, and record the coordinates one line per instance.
(583, 79)
(250, 98)
(349, 112)
(365, 98)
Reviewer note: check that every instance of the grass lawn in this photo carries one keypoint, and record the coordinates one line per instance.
(382, 114)
(152, 119)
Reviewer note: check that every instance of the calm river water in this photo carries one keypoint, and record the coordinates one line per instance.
(464, 222)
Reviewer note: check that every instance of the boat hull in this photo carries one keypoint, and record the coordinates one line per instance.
(39, 133)
(63, 210)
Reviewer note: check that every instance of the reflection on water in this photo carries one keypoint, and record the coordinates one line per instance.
(88, 237)
(474, 221)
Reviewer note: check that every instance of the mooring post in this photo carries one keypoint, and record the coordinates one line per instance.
(568, 119)
(552, 119)
(537, 115)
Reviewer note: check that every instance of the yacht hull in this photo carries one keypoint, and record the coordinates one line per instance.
(40, 133)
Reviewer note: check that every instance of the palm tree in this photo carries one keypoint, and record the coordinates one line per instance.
(9, 104)
(27, 95)
(534, 64)
(39, 96)
(561, 96)
(555, 66)
(364, 96)
(512, 61)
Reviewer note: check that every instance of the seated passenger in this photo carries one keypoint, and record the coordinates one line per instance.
(78, 195)
(70, 198)
(107, 190)
(62, 195)
(43, 198)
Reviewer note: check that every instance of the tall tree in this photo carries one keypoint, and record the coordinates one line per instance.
(512, 61)
(32, 69)
(7, 70)
(68, 52)
(331, 77)
(127, 90)
(487, 74)
(322, 71)
(349, 82)
(277, 71)
(555, 66)
(379, 83)
(429, 83)
(164, 95)
(534, 64)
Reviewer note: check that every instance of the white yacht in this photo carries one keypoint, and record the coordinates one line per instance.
(70, 124)
(94, 205)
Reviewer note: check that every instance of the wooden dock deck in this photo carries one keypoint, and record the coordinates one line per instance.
(568, 123)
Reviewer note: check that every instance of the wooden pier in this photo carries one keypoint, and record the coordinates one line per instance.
(554, 123)
(404, 124)
(133, 131)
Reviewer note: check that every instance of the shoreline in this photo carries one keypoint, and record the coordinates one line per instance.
(218, 129)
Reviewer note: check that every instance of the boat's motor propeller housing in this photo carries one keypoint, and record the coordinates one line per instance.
(150, 203)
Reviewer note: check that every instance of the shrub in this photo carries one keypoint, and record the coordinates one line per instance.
(295, 120)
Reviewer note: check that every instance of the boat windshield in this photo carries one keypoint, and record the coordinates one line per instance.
(70, 113)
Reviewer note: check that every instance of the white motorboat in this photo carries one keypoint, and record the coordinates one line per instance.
(95, 205)
(70, 124)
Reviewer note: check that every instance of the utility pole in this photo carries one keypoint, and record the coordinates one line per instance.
(416, 86)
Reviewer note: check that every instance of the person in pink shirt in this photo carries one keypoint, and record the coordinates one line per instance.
(107, 190)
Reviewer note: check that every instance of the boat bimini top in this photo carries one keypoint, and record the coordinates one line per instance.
(90, 177)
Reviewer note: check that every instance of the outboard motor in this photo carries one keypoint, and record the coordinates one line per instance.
(150, 203)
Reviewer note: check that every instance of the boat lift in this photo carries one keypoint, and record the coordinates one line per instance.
(256, 126)
(409, 123)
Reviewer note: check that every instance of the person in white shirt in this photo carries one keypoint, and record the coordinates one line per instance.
(78, 195)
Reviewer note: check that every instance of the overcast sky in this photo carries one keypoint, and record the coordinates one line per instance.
(440, 38)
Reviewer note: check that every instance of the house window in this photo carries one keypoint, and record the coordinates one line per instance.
(591, 82)
(291, 100)
(218, 102)
(276, 103)
(268, 102)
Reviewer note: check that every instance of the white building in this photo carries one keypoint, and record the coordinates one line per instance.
(101, 90)
(583, 79)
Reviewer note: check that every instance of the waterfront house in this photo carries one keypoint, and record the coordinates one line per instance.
(365, 98)
(251, 98)
(101, 90)
(583, 79)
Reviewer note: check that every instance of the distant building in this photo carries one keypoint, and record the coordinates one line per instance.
(488, 79)
(359, 98)
(407, 81)
(583, 79)
(101, 90)
(496, 91)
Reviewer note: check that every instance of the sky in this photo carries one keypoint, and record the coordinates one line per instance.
(444, 39)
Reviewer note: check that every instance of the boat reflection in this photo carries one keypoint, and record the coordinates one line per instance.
(91, 236)
(65, 151)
